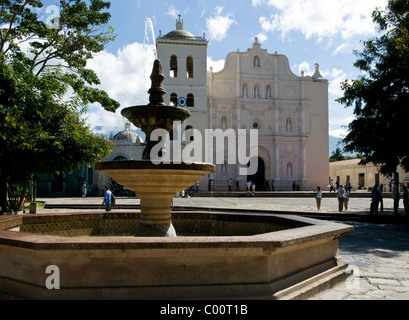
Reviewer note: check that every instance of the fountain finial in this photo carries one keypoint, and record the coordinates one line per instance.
(157, 92)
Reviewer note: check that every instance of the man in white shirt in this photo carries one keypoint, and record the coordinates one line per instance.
(340, 196)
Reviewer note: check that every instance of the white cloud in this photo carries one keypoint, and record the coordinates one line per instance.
(172, 12)
(321, 18)
(335, 77)
(339, 133)
(261, 37)
(125, 76)
(256, 3)
(219, 24)
(303, 66)
(217, 65)
(341, 48)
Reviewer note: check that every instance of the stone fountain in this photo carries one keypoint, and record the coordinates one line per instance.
(155, 185)
(216, 255)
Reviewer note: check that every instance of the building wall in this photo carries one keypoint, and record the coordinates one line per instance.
(255, 90)
(364, 176)
(258, 90)
(182, 85)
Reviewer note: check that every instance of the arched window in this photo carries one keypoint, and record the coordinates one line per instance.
(189, 67)
(256, 62)
(190, 100)
(174, 99)
(173, 66)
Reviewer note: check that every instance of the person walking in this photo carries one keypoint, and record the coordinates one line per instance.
(348, 186)
(395, 196)
(332, 186)
(375, 197)
(237, 185)
(107, 199)
(230, 184)
(380, 189)
(340, 196)
(253, 188)
(346, 197)
(406, 200)
(84, 189)
(318, 197)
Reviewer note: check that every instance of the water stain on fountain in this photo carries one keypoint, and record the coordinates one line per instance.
(155, 185)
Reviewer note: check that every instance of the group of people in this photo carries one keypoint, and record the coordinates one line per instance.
(342, 196)
(109, 198)
(251, 186)
(266, 185)
(376, 199)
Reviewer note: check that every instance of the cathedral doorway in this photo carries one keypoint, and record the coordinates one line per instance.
(259, 177)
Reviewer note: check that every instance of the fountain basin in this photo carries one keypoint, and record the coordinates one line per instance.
(156, 186)
(288, 257)
(149, 117)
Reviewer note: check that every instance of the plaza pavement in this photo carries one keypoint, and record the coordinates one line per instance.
(377, 250)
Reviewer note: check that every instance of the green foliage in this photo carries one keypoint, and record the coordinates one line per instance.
(79, 32)
(337, 155)
(380, 96)
(45, 87)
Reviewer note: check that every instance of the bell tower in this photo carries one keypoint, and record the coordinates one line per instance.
(184, 62)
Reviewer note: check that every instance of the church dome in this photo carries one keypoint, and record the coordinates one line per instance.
(127, 136)
(179, 33)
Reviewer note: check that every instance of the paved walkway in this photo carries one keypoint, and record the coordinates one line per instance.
(377, 253)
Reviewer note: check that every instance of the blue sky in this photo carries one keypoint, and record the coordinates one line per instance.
(306, 31)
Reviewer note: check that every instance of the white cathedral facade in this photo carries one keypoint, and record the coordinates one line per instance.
(255, 90)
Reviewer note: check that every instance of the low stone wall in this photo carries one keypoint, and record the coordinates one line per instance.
(271, 265)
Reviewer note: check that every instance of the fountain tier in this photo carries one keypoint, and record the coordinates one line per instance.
(155, 185)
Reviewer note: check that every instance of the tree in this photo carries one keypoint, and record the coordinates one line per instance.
(337, 155)
(45, 87)
(380, 96)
